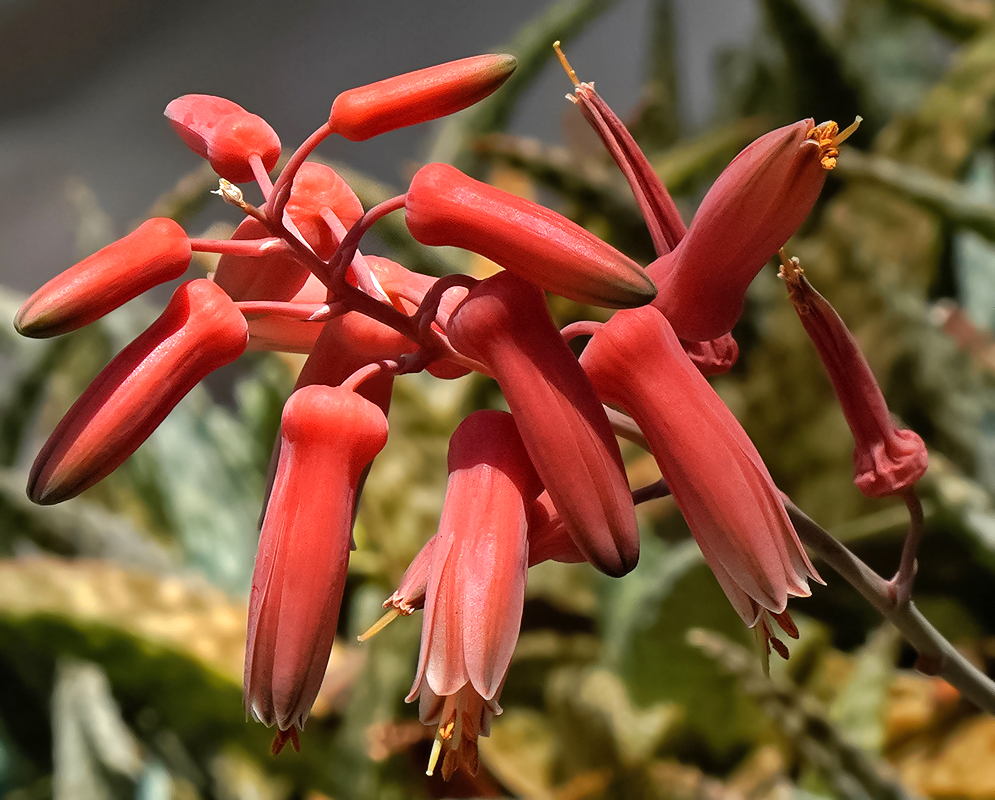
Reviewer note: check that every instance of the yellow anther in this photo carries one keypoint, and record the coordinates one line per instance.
(829, 137)
(566, 64)
(380, 624)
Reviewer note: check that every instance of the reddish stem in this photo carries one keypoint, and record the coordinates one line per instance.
(239, 247)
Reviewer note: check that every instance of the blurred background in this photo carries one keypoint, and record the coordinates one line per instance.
(122, 612)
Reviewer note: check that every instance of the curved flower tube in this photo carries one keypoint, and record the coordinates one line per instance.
(446, 207)
(329, 436)
(200, 331)
(752, 209)
(505, 325)
(155, 252)
(419, 96)
(712, 468)
(886, 459)
(475, 584)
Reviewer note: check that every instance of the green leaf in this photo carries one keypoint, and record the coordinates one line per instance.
(645, 620)
(858, 709)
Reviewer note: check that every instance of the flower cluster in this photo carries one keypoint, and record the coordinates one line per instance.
(546, 481)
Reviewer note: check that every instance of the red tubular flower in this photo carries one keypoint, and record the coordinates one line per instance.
(446, 207)
(329, 436)
(345, 345)
(199, 331)
(754, 206)
(548, 541)
(662, 218)
(225, 134)
(505, 325)
(156, 252)
(886, 459)
(712, 468)
(419, 96)
(476, 584)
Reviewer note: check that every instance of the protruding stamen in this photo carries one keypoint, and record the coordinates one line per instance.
(829, 137)
(792, 274)
(379, 625)
(433, 759)
(566, 64)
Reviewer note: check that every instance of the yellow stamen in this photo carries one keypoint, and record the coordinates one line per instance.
(566, 64)
(433, 759)
(380, 624)
(829, 137)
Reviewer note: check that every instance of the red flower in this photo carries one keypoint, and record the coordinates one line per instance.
(225, 134)
(886, 459)
(419, 96)
(475, 584)
(156, 252)
(329, 436)
(199, 331)
(446, 207)
(752, 209)
(712, 468)
(505, 325)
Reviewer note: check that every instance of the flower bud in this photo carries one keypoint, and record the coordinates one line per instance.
(752, 209)
(329, 436)
(712, 468)
(199, 331)
(446, 207)
(156, 252)
(505, 325)
(886, 459)
(419, 96)
(224, 133)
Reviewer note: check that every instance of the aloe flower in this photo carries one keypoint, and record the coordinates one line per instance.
(419, 96)
(475, 585)
(445, 207)
(329, 436)
(155, 252)
(504, 324)
(712, 468)
(752, 209)
(224, 133)
(887, 459)
(200, 331)
(548, 541)
(663, 220)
